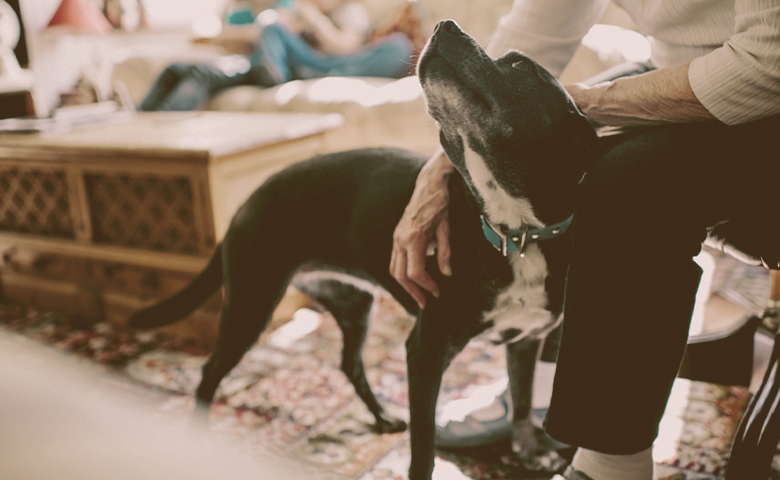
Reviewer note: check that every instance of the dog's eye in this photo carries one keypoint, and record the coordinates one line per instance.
(521, 65)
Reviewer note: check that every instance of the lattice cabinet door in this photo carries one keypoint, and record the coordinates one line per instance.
(165, 211)
(146, 211)
(36, 201)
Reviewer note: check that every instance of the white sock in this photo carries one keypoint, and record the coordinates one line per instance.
(600, 466)
(543, 383)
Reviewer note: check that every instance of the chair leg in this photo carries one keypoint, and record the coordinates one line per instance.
(771, 314)
(774, 293)
(755, 443)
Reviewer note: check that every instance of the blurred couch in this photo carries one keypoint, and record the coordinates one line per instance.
(377, 111)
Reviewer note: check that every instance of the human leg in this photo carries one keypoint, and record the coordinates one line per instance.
(388, 57)
(187, 86)
(271, 60)
(641, 216)
(286, 56)
(165, 82)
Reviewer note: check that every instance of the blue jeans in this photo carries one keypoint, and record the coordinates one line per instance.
(286, 56)
(186, 86)
(281, 57)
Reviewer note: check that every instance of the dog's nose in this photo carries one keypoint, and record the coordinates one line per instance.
(448, 26)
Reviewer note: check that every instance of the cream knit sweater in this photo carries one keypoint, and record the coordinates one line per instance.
(733, 45)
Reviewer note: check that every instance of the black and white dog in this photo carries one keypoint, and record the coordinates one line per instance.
(521, 147)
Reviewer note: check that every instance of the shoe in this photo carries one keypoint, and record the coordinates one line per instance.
(571, 474)
(474, 432)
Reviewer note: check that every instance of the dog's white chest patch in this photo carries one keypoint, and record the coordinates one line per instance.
(522, 307)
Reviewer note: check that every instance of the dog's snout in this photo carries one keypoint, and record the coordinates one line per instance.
(448, 26)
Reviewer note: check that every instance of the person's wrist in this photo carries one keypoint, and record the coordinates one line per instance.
(587, 99)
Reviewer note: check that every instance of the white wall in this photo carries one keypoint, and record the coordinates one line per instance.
(167, 13)
(58, 58)
(162, 13)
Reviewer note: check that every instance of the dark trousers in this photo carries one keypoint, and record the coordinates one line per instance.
(643, 211)
(186, 86)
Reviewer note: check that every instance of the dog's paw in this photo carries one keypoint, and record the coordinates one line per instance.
(390, 425)
(531, 450)
(548, 461)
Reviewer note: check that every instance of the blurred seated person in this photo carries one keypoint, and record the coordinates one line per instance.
(295, 39)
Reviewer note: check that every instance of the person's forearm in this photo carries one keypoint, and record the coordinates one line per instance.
(659, 96)
(332, 39)
(337, 42)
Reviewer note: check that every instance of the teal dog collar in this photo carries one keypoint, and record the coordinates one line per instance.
(510, 241)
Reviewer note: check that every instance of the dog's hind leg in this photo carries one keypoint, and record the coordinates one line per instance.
(252, 291)
(350, 301)
(430, 348)
(239, 329)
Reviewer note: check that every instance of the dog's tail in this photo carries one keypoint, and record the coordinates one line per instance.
(185, 301)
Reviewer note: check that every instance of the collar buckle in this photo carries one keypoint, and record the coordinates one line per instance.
(521, 241)
(518, 240)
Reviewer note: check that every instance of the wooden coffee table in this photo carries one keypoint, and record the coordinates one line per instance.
(101, 220)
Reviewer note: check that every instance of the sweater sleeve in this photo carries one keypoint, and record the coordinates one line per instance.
(549, 31)
(740, 81)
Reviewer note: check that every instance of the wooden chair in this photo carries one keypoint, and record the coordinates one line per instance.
(757, 438)
(756, 441)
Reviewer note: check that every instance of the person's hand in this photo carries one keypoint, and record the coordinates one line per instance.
(652, 98)
(424, 221)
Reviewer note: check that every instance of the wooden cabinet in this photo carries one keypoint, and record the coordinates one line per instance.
(101, 220)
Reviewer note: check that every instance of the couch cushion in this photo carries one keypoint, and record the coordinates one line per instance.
(377, 111)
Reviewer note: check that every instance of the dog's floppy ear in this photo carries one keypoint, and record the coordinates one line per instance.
(581, 139)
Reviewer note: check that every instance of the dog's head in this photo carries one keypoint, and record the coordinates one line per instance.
(509, 128)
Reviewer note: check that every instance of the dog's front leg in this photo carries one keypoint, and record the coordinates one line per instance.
(351, 306)
(521, 365)
(429, 350)
(534, 455)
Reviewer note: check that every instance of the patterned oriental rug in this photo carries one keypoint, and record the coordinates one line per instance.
(288, 396)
